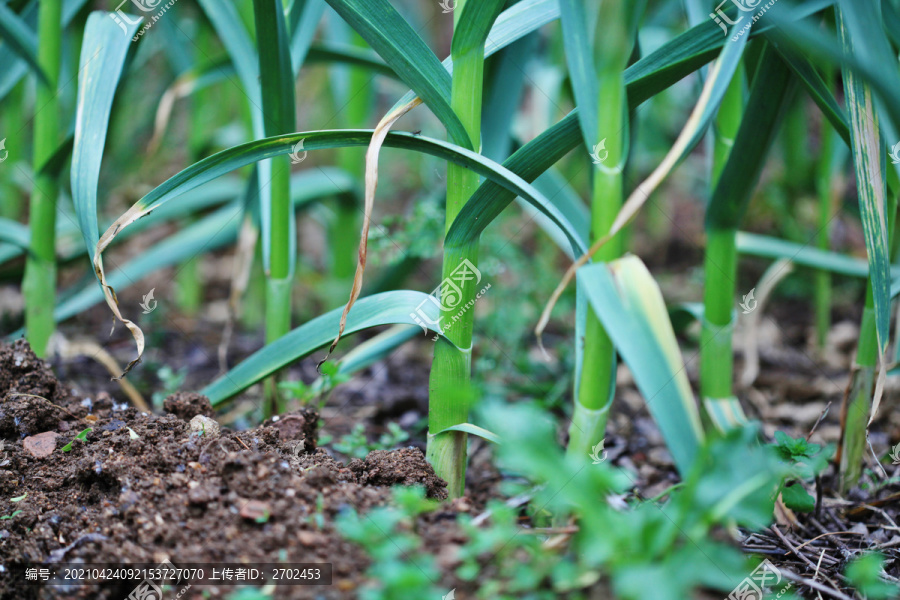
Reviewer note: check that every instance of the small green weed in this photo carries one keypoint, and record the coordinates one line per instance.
(805, 460)
(82, 437)
(356, 445)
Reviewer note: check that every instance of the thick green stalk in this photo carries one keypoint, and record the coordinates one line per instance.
(204, 106)
(728, 121)
(720, 264)
(449, 387)
(826, 192)
(11, 203)
(278, 283)
(39, 283)
(855, 411)
(858, 403)
(189, 287)
(718, 304)
(772, 90)
(277, 84)
(796, 153)
(612, 50)
(345, 227)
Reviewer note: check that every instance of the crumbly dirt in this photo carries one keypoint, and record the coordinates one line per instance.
(170, 494)
(116, 498)
(187, 405)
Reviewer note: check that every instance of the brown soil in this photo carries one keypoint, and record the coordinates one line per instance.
(169, 493)
(195, 499)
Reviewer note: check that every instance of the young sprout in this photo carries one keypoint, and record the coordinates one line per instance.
(81, 437)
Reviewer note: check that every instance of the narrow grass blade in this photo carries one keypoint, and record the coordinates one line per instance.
(15, 233)
(276, 73)
(402, 48)
(754, 244)
(227, 23)
(776, 272)
(812, 81)
(371, 351)
(553, 185)
(474, 430)
(349, 55)
(762, 117)
(21, 39)
(14, 67)
(869, 160)
(855, 25)
(190, 81)
(238, 156)
(513, 24)
(380, 309)
(304, 20)
(103, 55)
(210, 233)
(102, 59)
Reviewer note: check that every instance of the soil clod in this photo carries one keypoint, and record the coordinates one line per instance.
(187, 405)
(406, 466)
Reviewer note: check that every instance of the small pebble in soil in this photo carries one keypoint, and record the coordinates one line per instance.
(40, 445)
(256, 510)
(204, 426)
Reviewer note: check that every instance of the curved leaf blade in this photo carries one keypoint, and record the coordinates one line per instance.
(250, 152)
(628, 302)
(388, 308)
(400, 46)
(102, 59)
(474, 430)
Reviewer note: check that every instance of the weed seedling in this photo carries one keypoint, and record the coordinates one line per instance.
(171, 381)
(385, 534)
(805, 460)
(356, 445)
(864, 573)
(80, 437)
